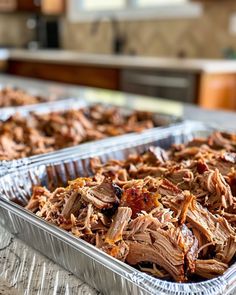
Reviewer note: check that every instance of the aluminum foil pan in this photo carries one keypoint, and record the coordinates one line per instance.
(162, 120)
(91, 265)
(42, 108)
(48, 91)
(56, 96)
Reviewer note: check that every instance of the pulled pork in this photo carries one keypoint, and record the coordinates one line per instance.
(17, 97)
(168, 213)
(37, 134)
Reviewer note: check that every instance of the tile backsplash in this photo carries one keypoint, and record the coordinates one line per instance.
(13, 30)
(203, 37)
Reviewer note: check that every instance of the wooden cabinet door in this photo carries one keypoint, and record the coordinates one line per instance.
(84, 75)
(29, 5)
(49, 7)
(218, 91)
(53, 7)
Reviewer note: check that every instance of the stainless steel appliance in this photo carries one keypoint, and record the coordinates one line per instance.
(172, 85)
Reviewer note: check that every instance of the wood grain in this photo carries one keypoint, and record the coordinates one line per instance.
(53, 7)
(3, 65)
(84, 75)
(27, 5)
(218, 91)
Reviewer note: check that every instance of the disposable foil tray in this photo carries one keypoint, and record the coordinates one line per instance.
(49, 92)
(161, 120)
(91, 265)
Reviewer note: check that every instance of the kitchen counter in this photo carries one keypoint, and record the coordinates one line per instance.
(120, 61)
(124, 61)
(25, 271)
(187, 80)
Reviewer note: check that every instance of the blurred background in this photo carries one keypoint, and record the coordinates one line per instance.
(182, 50)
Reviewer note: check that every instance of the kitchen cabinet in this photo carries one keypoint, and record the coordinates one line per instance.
(28, 5)
(85, 75)
(47, 7)
(169, 84)
(3, 65)
(218, 91)
(211, 91)
(204, 87)
(53, 7)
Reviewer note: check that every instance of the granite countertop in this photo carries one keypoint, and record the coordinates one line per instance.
(121, 61)
(22, 268)
(25, 271)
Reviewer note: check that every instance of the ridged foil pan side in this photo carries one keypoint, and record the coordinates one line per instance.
(88, 263)
(42, 108)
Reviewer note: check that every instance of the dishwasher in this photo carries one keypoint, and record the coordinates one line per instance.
(174, 85)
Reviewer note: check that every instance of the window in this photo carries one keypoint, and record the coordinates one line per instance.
(86, 10)
(95, 5)
(99, 5)
(143, 3)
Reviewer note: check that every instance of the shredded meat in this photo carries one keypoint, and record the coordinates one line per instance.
(118, 225)
(222, 140)
(159, 154)
(38, 199)
(139, 199)
(164, 253)
(219, 194)
(17, 97)
(42, 133)
(169, 213)
(210, 268)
